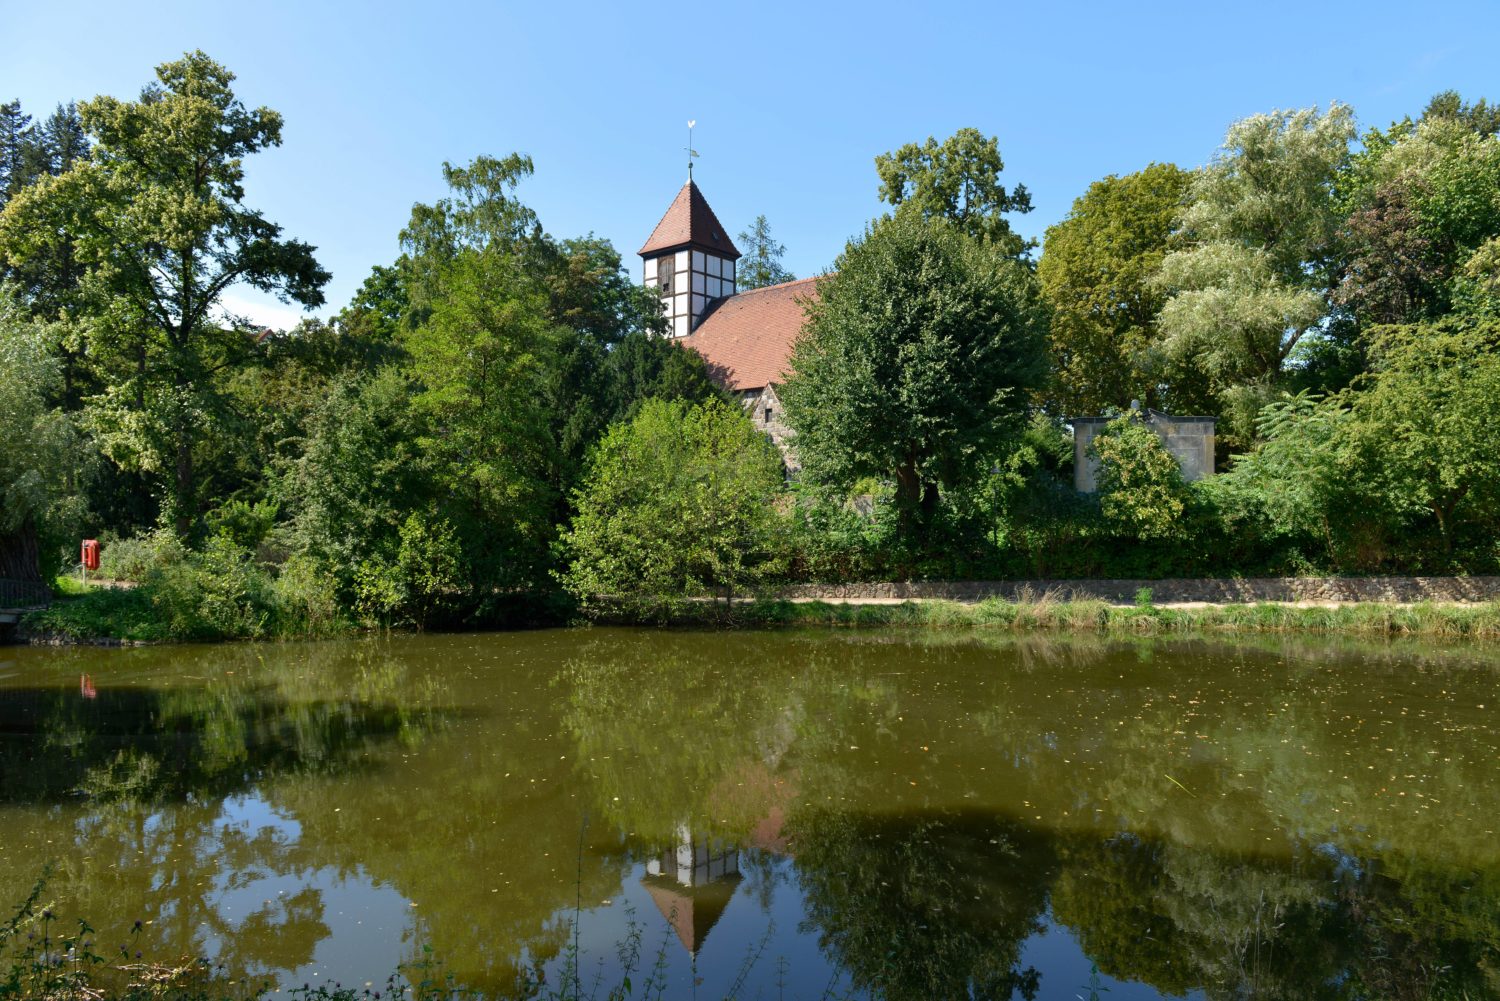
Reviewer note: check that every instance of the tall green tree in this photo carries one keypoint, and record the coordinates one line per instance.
(1400, 469)
(360, 473)
(160, 229)
(761, 265)
(1423, 200)
(916, 361)
(38, 443)
(957, 179)
(1096, 270)
(15, 150)
(1423, 428)
(596, 308)
(1300, 483)
(1260, 227)
(644, 367)
(1480, 117)
(481, 353)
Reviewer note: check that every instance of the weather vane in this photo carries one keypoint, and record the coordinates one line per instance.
(690, 151)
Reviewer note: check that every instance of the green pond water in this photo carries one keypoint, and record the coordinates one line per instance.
(776, 815)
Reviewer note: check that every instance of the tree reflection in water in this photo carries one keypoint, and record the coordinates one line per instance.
(1249, 820)
(139, 786)
(864, 759)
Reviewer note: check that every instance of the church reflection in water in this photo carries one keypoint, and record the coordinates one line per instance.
(692, 884)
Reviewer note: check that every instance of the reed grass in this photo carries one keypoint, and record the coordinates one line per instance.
(1058, 613)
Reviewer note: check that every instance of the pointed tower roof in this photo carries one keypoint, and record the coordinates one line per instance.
(691, 912)
(689, 222)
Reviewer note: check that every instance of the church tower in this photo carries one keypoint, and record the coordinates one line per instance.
(689, 260)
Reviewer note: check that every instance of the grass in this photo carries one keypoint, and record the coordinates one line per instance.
(1048, 613)
(133, 615)
(100, 612)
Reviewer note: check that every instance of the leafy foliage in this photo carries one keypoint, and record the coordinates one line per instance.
(959, 180)
(1096, 271)
(1261, 219)
(1141, 491)
(156, 220)
(425, 573)
(38, 448)
(916, 360)
(678, 503)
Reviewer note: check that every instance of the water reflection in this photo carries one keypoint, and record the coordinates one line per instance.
(692, 883)
(899, 817)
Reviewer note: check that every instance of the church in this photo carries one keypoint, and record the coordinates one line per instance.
(746, 337)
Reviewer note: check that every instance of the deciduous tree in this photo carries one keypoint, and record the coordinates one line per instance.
(1096, 271)
(677, 503)
(1260, 226)
(916, 361)
(957, 179)
(157, 218)
(1141, 491)
(37, 448)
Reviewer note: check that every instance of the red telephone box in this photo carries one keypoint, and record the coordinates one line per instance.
(91, 554)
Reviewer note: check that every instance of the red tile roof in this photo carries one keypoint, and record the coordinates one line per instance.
(747, 338)
(690, 222)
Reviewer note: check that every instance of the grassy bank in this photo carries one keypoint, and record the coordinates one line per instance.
(141, 615)
(1446, 621)
(98, 614)
(183, 608)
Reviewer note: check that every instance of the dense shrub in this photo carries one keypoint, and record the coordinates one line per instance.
(132, 558)
(1141, 491)
(678, 503)
(214, 593)
(424, 574)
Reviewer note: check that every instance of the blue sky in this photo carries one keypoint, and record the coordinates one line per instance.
(793, 101)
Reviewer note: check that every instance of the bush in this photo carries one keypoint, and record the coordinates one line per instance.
(425, 574)
(678, 503)
(247, 525)
(1141, 491)
(217, 593)
(834, 539)
(306, 599)
(133, 558)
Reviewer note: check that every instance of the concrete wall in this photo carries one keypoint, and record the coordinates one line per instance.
(1237, 589)
(1190, 440)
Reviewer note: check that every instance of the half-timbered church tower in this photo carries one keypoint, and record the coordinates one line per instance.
(746, 337)
(689, 259)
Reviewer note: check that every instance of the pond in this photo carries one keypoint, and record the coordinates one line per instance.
(775, 815)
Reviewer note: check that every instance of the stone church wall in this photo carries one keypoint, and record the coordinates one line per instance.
(763, 407)
(1190, 440)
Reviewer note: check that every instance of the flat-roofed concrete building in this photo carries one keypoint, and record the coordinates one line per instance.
(1190, 440)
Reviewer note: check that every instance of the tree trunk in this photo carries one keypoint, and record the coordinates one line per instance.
(929, 503)
(20, 554)
(1442, 520)
(183, 515)
(908, 497)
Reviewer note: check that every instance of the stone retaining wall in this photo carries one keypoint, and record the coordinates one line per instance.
(1243, 589)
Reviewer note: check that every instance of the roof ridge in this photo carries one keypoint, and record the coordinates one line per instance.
(772, 288)
(670, 206)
